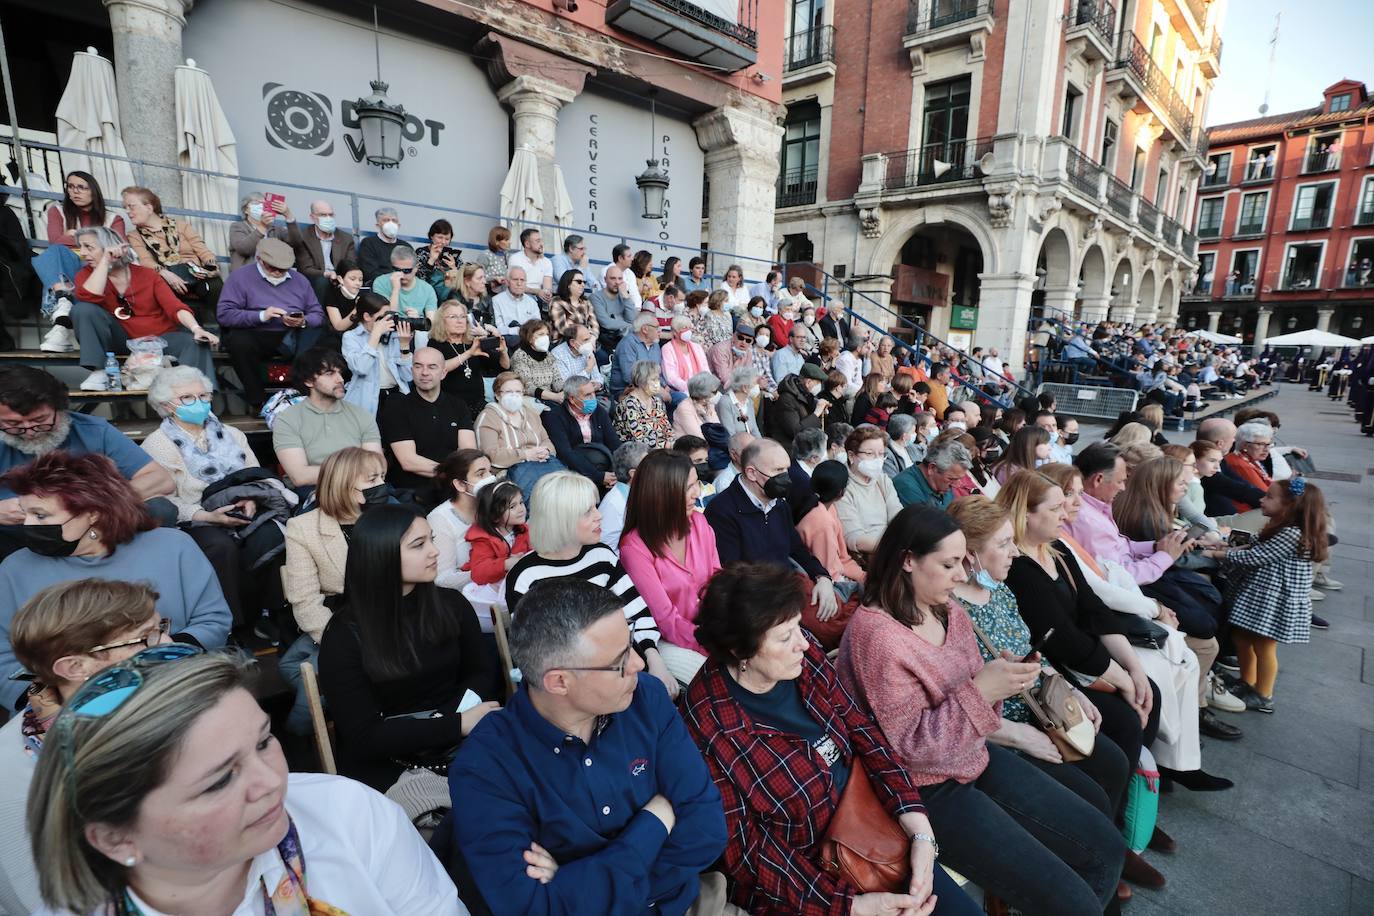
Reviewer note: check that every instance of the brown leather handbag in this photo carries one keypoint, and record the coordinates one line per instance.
(864, 846)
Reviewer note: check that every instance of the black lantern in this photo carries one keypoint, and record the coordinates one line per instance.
(381, 120)
(653, 181)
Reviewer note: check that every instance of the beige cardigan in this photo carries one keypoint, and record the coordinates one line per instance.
(316, 554)
(503, 438)
(189, 489)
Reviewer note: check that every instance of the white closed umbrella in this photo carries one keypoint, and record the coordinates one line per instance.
(1311, 338)
(521, 200)
(1214, 337)
(1367, 340)
(88, 119)
(207, 143)
(562, 212)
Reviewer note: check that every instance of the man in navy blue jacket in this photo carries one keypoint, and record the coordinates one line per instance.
(586, 794)
(578, 422)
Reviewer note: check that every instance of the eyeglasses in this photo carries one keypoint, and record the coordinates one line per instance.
(583, 282)
(186, 400)
(618, 667)
(78, 187)
(18, 429)
(150, 639)
(405, 270)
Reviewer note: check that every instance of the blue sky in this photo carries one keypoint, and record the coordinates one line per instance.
(1320, 43)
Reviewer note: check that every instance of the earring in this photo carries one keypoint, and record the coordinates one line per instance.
(743, 665)
(93, 535)
(130, 862)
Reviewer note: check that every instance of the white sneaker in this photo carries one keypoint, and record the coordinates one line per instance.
(1322, 580)
(1318, 596)
(1218, 697)
(61, 313)
(57, 340)
(96, 381)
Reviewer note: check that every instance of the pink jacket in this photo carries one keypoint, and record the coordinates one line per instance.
(677, 367)
(1096, 530)
(670, 589)
(922, 695)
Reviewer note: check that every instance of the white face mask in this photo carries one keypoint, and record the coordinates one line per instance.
(511, 401)
(842, 458)
(686, 336)
(587, 349)
(255, 210)
(756, 311)
(870, 467)
(762, 340)
(390, 228)
(541, 343)
(275, 281)
(814, 388)
(326, 224)
(754, 392)
(809, 320)
(930, 432)
(956, 424)
(477, 487)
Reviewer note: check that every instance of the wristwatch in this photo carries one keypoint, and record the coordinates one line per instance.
(927, 838)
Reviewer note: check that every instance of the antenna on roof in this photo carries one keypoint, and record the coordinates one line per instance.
(1273, 52)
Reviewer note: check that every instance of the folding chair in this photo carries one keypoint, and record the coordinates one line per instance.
(324, 745)
(500, 627)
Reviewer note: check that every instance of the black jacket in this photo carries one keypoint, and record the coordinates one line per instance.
(743, 532)
(566, 435)
(1221, 492)
(794, 410)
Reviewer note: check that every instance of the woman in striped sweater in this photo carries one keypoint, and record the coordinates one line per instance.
(565, 534)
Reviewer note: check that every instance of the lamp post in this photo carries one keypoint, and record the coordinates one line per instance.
(653, 181)
(381, 120)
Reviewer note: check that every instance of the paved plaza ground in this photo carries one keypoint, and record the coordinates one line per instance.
(1296, 834)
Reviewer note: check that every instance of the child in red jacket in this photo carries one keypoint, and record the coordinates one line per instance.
(498, 536)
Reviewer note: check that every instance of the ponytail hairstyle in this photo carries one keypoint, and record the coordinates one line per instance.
(1304, 508)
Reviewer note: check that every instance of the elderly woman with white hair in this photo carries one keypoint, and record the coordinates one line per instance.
(902, 451)
(682, 356)
(1246, 461)
(699, 408)
(197, 449)
(119, 300)
(259, 221)
(736, 406)
(639, 414)
(567, 540)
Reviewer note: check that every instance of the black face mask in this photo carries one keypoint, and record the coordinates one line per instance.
(992, 455)
(379, 495)
(704, 472)
(47, 540)
(1070, 438)
(777, 486)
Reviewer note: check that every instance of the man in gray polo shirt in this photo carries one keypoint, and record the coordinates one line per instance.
(310, 431)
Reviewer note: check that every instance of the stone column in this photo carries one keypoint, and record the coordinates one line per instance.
(1004, 311)
(1094, 308)
(741, 141)
(1262, 324)
(534, 103)
(1213, 320)
(1324, 318)
(147, 51)
(1060, 301)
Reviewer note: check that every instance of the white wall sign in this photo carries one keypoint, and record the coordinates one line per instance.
(287, 75)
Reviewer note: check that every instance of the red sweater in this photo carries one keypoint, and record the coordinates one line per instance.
(922, 695)
(148, 296)
(489, 553)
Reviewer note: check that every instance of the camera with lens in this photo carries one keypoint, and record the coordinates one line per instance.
(416, 322)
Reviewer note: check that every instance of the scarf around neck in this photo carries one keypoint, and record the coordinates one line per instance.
(220, 456)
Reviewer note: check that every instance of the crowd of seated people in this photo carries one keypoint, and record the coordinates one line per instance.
(756, 563)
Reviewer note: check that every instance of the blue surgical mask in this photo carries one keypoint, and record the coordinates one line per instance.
(589, 405)
(196, 413)
(985, 579)
(1054, 437)
(326, 224)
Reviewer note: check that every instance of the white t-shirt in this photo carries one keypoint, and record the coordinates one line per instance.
(536, 271)
(362, 855)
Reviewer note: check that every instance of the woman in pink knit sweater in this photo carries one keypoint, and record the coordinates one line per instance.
(669, 550)
(910, 656)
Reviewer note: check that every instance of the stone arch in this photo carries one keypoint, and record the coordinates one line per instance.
(1147, 296)
(1168, 301)
(1092, 272)
(902, 225)
(1058, 257)
(1125, 280)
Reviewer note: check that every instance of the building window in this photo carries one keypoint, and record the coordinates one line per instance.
(1253, 208)
(1073, 99)
(1241, 280)
(1323, 154)
(1209, 217)
(1206, 268)
(801, 149)
(1364, 214)
(1218, 171)
(1302, 266)
(1312, 206)
(1359, 271)
(945, 125)
(1340, 102)
(1109, 131)
(1260, 164)
(1138, 169)
(1161, 186)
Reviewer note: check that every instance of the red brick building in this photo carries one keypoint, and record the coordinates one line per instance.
(1285, 222)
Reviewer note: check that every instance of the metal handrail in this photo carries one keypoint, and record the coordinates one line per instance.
(1084, 174)
(922, 166)
(806, 49)
(797, 187)
(1119, 196)
(1148, 216)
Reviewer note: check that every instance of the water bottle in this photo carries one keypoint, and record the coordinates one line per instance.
(112, 379)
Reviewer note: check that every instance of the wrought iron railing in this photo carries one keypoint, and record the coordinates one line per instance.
(1189, 244)
(1218, 178)
(1318, 218)
(1322, 160)
(1212, 231)
(742, 29)
(1136, 60)
(1100, 17)
(1147, 216)
(1365, 216)
(1252, 227)
(1260, 169)
(1119, 196)
(1169, 229)
(1084, 174)
(797, 187)
(936, 163)
(806, 49)
(929, 15)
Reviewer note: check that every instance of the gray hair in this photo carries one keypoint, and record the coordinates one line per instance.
(107, 238)
(313, 208)
(402, 252)
(809, 443)
(702, 385)
(948, 454)
(739, 442)
(900, 424)
(250, 197)
(643, 372)
(750, 456)
(160, 388)
(387, 211)
(574, 382)
(1254, 429)
(642, 320)
(558, 501)
(679, 322)
(742, 378)
(552, 637)
(511, 270)
(117, 760)
(572, 242)
(627, 458)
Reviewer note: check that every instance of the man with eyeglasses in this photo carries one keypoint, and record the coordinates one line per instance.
(34, 420)
(574, 257)
(408, 296)
(931, 483)
(320, 245)
(585, 794)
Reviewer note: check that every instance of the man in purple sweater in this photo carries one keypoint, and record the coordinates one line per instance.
(266, 311)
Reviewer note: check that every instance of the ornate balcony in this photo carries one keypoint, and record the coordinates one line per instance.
(936, 163)
(933, 24)
(1210, 58)
(810, 56)
(1092, 30)
(1140, 77)
(797, 187)
(691, 31)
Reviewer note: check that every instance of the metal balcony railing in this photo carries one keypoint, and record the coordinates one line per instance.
(1212, 231)
(1169, 229)
(1136, 60)
(1084, 174)
(1100, 17)
(1119, 196)
(797, 187)
(1300, 278)
(936, 163)
(1319, 218)
(1359, 275)
(1218, 179)
(1216, 46)
(1322, 160)
(1147, 216)
(1188, 243)
(1253, 227)
(806, 49)
(1199, 12)
(1365, 216)
(929, 15)
(1260, 169)
(742, 29)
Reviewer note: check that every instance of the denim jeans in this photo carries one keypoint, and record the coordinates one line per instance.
(304, 649)
(1021, 835)
(527, 473)
(53, 264)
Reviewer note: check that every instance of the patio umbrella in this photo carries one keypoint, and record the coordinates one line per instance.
(1311, 338)
(207, 142)
(88, 119)
(521, 199)
(1213, 336)
(562, 212)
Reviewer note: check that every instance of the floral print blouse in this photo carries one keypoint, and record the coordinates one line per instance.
(635, 422)
(1000, 620)
(710, 328)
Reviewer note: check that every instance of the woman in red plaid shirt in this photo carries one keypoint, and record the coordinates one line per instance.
(781, 737)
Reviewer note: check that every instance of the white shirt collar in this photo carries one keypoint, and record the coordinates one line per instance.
(764, 506)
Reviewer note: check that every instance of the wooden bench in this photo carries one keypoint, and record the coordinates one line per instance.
(139, 429)
(44, 359)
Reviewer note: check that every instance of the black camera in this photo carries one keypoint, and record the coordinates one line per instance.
(417, 323)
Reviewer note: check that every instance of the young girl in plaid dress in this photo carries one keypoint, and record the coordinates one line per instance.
(1269, 585)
